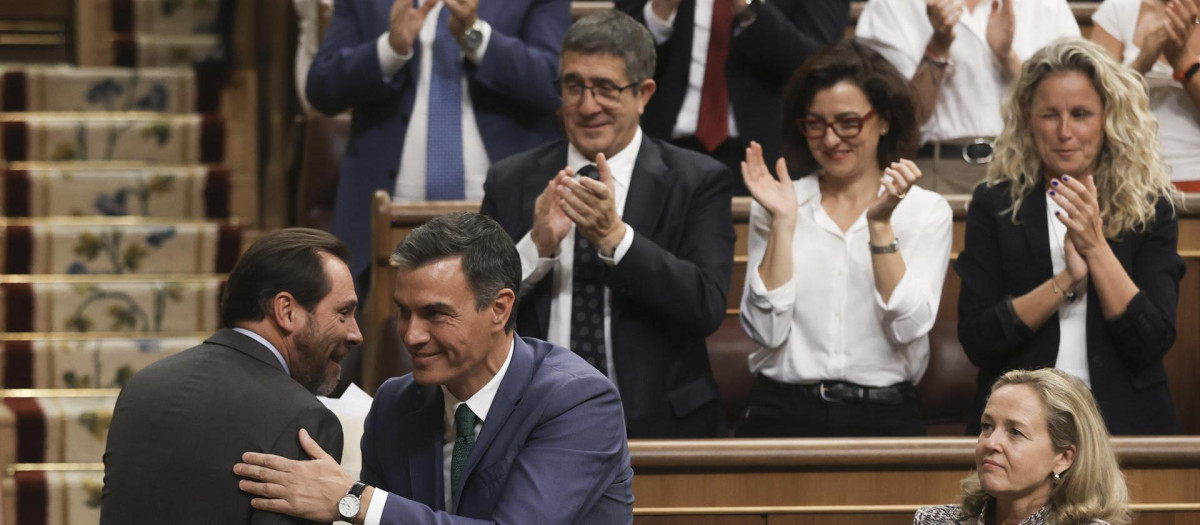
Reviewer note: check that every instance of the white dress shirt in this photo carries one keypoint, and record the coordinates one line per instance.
(829, 322)
(479, 403)
(1072, 317)
(534, 268)
(968, 104)
(1178, 117)
(271, 347)
(689, 113)
(410, 180)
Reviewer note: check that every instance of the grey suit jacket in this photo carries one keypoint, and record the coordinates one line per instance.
(182, 423)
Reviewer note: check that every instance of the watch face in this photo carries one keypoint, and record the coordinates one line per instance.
(348, 507)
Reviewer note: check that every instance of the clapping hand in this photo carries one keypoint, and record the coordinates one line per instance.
(1002, 23)
(550, 224)
(897, 179)
(591, 205)
(1079, 201)
(463, 14)
(774, 194)
(1177, 32)
(943, 15)
(404, 22)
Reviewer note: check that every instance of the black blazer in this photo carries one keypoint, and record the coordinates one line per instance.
(1002, 259)
(183, 422)
(762, 57)
(668, 292)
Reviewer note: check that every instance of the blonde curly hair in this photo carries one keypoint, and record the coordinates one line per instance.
(1130, 176)
(1094, 487)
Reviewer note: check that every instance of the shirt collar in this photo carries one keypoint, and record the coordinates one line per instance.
(808, 188)
(267, 344)
(481, 401)
(621, 164)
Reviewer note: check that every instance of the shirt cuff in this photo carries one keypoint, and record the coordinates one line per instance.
(779, 299)
(477, 56)
(659, 29)
(621, 249)
(533, 267)
(375, 509)
(390, 61)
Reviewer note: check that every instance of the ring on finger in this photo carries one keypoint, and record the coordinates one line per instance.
(1195, 20)
(902, 194)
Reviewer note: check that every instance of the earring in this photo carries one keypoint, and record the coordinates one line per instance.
(884, 131)
(1057, 478)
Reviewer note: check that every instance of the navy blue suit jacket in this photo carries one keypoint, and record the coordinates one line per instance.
(552, 450)
(512, 91)
(668, 292)
(1125, 355)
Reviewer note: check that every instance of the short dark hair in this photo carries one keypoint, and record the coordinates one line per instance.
(885, 87)
(288, 260)
(611, 32)
(489, 258)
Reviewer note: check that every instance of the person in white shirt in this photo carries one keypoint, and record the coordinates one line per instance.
(1070, 256)
(1161, 40)
(960, 56)
(845, 265)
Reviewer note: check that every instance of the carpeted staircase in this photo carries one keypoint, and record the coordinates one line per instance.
(116, 233)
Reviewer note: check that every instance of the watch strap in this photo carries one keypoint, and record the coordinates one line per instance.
(893, 247)
(357, 489)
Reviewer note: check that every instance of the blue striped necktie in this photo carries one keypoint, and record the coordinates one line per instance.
(443, 149)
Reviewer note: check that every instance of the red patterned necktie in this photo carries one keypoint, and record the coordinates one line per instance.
(712, 126)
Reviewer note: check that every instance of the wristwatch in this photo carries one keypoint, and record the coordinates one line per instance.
(891, 248)
(349, 505)
(747, 15)
(472, 38)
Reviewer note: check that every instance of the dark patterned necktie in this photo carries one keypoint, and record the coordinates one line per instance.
(464, 442)
(587, 297)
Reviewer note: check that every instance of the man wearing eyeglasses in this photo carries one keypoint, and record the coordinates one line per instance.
(626, 242)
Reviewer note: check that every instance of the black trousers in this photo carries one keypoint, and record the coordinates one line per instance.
(775, 409)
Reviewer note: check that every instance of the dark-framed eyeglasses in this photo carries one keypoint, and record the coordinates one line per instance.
(605, 93)
(845, 127)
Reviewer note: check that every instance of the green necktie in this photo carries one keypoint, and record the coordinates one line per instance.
(464, 441)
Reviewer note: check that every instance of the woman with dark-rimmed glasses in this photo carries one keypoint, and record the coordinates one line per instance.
(845, 264)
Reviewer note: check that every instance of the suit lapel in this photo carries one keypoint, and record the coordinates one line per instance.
(423, 429)
(649, 187)
(512, 387)
(1032, 218)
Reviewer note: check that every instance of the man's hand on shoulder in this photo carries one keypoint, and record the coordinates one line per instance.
(303, 489)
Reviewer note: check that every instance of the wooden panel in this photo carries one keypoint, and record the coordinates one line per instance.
(699, 520)
(867, 480)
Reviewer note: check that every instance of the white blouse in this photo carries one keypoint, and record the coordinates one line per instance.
(1178, 117)
(829, 322)
(1072, 317)
(969, 102)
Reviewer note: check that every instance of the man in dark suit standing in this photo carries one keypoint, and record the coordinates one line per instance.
(489, 426)
(629, 269)
(439, 90)
(722, 66)
(182, 423)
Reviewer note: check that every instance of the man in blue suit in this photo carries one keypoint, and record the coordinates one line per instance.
(489, 426)
(482, 72)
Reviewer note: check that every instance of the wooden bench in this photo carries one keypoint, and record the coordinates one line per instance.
(946, 390)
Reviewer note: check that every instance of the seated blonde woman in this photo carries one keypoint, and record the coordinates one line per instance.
(1043, 457)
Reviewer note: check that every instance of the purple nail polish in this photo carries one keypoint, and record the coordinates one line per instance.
(1054, 183)
(1066, 177)
(1056, 213)
(1052, 193)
